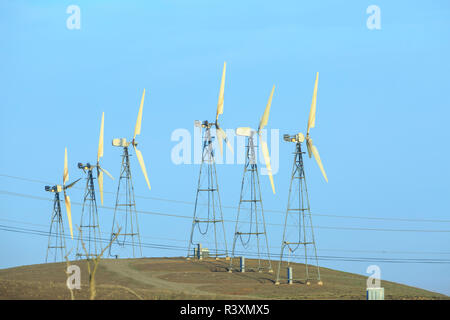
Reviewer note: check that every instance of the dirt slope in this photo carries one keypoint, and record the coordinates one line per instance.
(178, 278)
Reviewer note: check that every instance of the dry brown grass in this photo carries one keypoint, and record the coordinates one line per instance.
(177, 278)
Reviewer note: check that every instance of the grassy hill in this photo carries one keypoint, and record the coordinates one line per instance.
(178, 278)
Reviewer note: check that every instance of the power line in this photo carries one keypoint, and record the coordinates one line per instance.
(235, 208)
(233, 221)
(182, 248)
(272, 247)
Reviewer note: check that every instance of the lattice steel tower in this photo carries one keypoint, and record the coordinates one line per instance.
(256, 226)
(298, 206)
(89, 224)
(129, 219)
(210, 187)
(56, 238)
(214, 214)
(125, 214)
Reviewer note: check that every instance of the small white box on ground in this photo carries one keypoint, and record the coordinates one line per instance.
(205, 252)
(375, 294)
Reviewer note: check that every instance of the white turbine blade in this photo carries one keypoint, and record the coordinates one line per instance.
(221, 135)
(100, 140)
(265, 117)
(265, 151)
(309, 145)
(142, 164)
(69, 212)
(72, 184)
(66, 169)
(137, 128)
(315, 152)
(100, 184)
(220, 141)
(109, 174)
(221, 93)
(312, 112)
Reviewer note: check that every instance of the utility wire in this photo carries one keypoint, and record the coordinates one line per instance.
(235, 208)
(233, 221)
(182, 248)
(272, 247)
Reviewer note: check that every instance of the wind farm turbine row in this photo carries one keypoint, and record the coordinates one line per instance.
(89, 238)
(207, 219)
(298, 202)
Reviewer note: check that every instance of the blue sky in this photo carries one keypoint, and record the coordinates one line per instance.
(381, 125)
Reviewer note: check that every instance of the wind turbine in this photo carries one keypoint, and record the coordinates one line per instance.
(255, 199)
(211, 187)
(56, 239)
(298, 202)
(131, 219)
(89, 220)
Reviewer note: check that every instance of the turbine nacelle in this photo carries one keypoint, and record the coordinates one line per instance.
(204, 124)
(121, 142)
(57, 189)
(297, 138)
(86, 166)
(245, 131)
